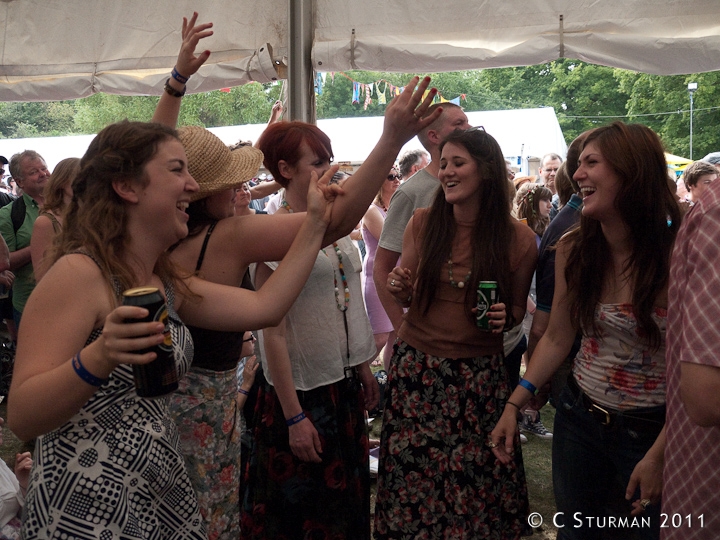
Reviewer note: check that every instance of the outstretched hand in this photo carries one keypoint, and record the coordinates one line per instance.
(187, 62)
(322, 194)
(405, 114)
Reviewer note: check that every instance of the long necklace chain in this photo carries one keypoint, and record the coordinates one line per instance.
(459, 284)
(344, 306)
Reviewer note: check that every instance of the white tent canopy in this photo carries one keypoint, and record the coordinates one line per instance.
(63, 49)
(521, 134)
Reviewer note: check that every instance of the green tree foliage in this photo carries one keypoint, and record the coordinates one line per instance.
(582, 95)
(33, 119)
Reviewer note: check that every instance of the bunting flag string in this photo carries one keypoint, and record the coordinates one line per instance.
(365, 91)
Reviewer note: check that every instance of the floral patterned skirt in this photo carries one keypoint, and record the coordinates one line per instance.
(208, 422)
(286, 498)
(437, 477)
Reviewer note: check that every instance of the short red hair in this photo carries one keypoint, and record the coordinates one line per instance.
(281, 141)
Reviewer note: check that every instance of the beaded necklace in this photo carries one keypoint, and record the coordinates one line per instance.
(344, 306)
(460, 284)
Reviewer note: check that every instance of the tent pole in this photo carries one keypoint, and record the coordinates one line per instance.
(301, 95)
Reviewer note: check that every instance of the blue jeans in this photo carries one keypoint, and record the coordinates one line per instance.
(592, 464)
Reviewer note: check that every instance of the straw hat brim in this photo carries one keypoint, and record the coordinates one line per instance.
(213, 165)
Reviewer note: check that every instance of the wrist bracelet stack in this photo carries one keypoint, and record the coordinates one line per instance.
(84, 374)
(179, 78)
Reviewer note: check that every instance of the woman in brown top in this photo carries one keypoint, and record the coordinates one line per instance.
(447, 381)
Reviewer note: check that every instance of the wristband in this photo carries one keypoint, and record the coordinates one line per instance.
(84, 374)
(243, 392)
(295, 419)
(179, 78)
(527, 385)
(514, 405)
(170, 90)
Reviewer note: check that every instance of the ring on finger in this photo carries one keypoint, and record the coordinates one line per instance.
(392, 282)
(645, 503)
(491, 444)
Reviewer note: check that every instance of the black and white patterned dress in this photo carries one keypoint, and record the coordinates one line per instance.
(114, 471)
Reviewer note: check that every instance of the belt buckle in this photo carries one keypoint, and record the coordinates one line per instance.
(608, 418)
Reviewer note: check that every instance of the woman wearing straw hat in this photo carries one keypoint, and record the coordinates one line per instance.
(220, 248)
(205, 404)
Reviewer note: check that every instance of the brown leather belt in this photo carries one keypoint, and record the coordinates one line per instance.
(640, 419)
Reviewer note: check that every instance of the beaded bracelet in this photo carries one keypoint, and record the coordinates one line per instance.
(84, 374)
(527, 385)
(170, 90)
(295, 419)
(243, 392)
(179, 78)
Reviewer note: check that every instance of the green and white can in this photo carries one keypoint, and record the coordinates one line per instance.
(486, 297)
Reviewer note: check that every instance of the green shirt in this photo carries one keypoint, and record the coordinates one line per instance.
(24, 279)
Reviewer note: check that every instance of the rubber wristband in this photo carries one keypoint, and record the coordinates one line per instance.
(514, 405)
(295, 419)
(527, 385)
(170, 90)
(243, 392)
(179, 78)
(84, 374)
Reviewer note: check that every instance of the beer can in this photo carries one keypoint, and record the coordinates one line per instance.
(158, 377)
(486, 297)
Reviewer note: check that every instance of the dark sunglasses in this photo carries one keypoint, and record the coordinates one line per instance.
(392, 177)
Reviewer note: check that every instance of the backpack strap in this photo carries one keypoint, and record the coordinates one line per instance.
(17, 213)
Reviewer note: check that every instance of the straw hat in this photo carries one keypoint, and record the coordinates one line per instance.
(213, 165)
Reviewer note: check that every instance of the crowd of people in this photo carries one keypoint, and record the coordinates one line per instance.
(603, 280)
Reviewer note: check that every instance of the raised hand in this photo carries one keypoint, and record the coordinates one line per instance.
(322, 194)
(187, 62)
(404, 115)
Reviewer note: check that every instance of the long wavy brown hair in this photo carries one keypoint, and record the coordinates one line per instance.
(96, 220)
(652, 216)
(491, 237)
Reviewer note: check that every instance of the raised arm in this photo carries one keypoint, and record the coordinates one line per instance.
(403, 120)
(168, 108)
(229, 308)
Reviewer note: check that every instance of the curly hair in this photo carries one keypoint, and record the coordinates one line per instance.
(527, 201)
(652, 218)
(96, 220)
